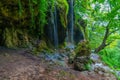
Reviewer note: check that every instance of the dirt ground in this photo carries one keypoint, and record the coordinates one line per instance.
(20, 65)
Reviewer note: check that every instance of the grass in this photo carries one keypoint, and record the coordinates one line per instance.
(111, 57)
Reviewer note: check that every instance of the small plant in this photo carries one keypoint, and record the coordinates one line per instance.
(88, 65)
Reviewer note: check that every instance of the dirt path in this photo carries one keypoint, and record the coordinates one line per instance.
(20, 65)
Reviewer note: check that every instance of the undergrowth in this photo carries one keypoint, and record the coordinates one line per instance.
(111, 57)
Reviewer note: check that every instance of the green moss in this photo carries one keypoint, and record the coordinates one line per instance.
(8, 38)
(41, 47)
(11, 37)
(83, 49)
(63, 8)
(15, 37)
(42, 8)
(18, 21)
(63, 4)
(71, 57)
(32, 14)
(20, 8)
(22, 20)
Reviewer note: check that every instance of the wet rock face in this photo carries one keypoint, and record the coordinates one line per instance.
(77, 35)
(80, 63)
(15, 19)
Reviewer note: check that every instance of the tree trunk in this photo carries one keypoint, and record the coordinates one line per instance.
(103, 44)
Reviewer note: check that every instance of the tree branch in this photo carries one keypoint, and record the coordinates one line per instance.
(109, 42)
(113, 31)
(103, 44)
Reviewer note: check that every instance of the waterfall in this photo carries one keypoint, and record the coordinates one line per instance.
(70, 27)
(55, 28)
(71, 24)
(70, 30)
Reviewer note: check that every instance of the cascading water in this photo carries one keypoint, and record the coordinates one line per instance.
(70, 28)
(71, 24)
(55, 31)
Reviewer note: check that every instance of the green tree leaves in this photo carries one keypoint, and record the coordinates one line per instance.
(102, 16)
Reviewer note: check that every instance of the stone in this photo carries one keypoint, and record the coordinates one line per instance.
(100, 72)
(94, 57)
(80, 62)
(117, 73)
(106, 74)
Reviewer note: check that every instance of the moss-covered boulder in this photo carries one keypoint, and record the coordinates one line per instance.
(83, 49)
(81, 63)
(82, 56)
(39, 47)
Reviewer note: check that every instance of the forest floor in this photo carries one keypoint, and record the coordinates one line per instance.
(20, 65)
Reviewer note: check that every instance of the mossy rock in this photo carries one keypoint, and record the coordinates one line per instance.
(71, 57)
(15, 28)
(63, 8)
(82, 56)
(81, 63)
(83, 49)
(41, 45)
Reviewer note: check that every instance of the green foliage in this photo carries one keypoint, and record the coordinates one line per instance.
(38, 11)
(94, 33)
(20, 8)
(22, 23)
(32, 14)
(42, 8)
(88, 66)
(31, 17)
(111, 57)
(99, 18)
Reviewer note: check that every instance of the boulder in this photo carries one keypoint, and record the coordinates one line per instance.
(81, 62)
